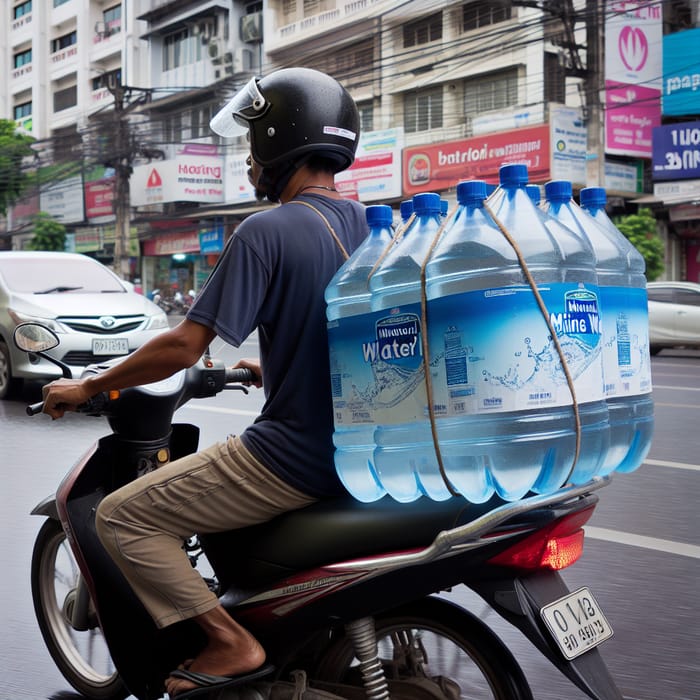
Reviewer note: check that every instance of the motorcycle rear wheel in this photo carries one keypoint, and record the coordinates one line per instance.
(81, 656)
(435, 638)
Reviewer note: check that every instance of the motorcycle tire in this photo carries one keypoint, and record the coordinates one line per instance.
(81, 656)
(436, 639)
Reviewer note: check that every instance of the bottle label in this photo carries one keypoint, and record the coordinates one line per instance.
(491, 350)
(377, 367)
(626, 361)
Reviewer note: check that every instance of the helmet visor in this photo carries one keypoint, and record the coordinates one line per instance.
(245, 106)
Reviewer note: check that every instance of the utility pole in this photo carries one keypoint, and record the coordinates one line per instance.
(594, 89)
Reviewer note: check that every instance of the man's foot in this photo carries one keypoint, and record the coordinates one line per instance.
(230, 651)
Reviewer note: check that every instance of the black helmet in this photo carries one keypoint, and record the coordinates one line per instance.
(292, 113)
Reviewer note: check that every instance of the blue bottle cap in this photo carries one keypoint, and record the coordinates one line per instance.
(593, 197)
(426, 203)
(558, 191)
(406, 208)
(379, 215)
(444, 207)
(471, 191)
(534, 193)
(513, 174)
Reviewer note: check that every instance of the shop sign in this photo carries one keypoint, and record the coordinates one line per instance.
(88, 240)
(624, 177)
(237, 187)
(376, 172)
(684, 212)
(186, 178)
(569, 139)
(172, 243)
(681, 88)
(676, 152)
(442, 165)
(507, 118)
(633, 33)
(63, 199)
(211, 241)
(99, 197)
(680, 191)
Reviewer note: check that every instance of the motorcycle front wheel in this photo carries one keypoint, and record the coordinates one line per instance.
(436, 640)
(81, 656)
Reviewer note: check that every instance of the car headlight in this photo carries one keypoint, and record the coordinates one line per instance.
(19, 317)
(156, 322)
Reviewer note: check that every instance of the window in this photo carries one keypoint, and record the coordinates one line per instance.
(58, 3)
(22, 111)
(181, 48)
(63, 42)
(21, 10)
(366, 110)
(423, 30)
(490, 92)
(554, 79)
(22, 58)
(481, 14)
(63, 99)
(289, 11)
(112, 18)
(423, 110)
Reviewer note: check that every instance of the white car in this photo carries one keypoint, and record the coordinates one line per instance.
(91, 309)
(674, 315)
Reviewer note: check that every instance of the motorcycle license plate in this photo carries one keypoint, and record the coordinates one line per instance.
(576, 622)
(110, 346)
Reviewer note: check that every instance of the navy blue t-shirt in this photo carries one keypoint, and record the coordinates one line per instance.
(272, 276)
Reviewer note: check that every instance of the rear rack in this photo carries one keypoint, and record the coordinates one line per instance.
(459, 539)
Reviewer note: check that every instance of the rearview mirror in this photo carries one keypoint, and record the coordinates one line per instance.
(33, 337)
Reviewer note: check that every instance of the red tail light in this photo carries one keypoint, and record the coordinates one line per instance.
(555, 547)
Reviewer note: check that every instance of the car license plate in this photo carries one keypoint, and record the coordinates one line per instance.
(576, 622)
(110, 346)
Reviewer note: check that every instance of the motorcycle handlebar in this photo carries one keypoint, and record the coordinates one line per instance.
(241, 374)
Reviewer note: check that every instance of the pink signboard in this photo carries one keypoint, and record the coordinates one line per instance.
(442, 165)
(633, 57)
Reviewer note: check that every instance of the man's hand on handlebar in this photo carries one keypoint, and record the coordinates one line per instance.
(64, 395)
(254, 366)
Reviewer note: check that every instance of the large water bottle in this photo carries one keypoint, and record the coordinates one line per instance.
(348, 307)
(531, 381)
(611, 269)
(629, 400)
(405, 457)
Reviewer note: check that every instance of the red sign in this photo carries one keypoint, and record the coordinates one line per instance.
(99, 195)
(171, 243)
(442, 165)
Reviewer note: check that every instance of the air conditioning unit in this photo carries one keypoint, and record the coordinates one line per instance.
(215, 50)
(251, 28)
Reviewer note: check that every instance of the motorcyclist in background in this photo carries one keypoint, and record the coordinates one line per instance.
(303, 127)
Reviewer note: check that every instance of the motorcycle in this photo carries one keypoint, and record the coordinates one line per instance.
(343, 595)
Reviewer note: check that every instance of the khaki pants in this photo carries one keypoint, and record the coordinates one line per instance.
(144, 523)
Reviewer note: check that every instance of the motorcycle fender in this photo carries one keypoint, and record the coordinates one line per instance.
(47, 507)
(519, 600)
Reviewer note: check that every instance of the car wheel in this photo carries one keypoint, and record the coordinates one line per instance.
(8, 384)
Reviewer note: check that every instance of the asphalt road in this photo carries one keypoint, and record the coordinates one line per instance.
(641, 559)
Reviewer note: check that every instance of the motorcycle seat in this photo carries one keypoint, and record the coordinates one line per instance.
(330, 531)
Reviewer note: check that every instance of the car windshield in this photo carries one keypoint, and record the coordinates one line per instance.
(53, 276)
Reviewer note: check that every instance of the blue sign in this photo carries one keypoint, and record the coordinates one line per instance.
(211, 241)
(676, 151)
(681, 88)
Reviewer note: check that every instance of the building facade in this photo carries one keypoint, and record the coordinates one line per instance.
(119, 96)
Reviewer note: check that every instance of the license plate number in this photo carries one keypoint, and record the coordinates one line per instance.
(110, 346)
(576, 622)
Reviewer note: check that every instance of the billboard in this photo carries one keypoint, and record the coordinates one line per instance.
(681, 88)
(676, 153)
(633, 37)
(440, 166)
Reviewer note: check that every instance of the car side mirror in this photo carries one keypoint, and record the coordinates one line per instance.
(33, 337)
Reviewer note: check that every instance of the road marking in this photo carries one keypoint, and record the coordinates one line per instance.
(677, 388)
(658, 545)
(675, 405)
(229, 411)
(672, 465)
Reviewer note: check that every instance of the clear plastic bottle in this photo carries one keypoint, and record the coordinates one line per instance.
(630, 399)
(405, 456)
(348, 308)
(563, 267)
(611, 268)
